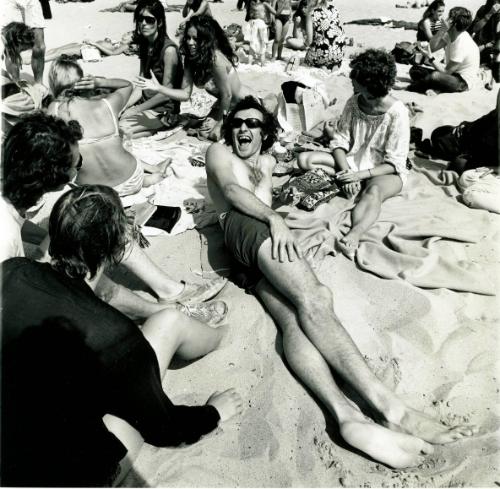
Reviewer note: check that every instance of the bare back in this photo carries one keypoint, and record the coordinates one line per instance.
(105, 160)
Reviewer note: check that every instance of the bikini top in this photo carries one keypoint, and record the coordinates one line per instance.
(116, 132)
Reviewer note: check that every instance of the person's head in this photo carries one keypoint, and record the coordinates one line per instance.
(63, 75)
(203, 36)
(373, 73)
(150, 22)
(460, 18)
(250, 128)
(40, 154)
(258, 11)
(435, 10)
(88, 230)
(16, 37)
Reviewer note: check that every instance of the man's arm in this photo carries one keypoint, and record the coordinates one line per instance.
(38, 55)
(220, 171)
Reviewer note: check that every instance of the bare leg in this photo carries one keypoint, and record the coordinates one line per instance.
(126, 301)
(278, 26)
(281, 42)
(139, 262)
(380, 443)
(168, 332)
(308, 160)
(313, 303)
(367, 210)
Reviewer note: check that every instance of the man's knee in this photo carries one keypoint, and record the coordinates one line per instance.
(372, 192)
(317, 298)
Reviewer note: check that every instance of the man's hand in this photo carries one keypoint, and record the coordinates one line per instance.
(351, 189)
(284, 244)
(349, 176)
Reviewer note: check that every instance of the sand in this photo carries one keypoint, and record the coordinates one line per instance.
(436, 348)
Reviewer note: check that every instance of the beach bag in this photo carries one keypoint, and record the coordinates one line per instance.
(404, 52)
(309, 190)
(304, 116)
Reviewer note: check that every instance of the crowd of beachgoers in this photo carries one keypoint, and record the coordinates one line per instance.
(96, 351)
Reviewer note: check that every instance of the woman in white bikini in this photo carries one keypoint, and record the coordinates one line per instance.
(105, 160)
(209, 63)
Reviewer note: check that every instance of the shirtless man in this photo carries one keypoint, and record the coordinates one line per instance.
(240, 184)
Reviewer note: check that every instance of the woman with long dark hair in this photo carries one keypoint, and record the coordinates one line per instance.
(210, 63)
(159, 55)
(431, 21)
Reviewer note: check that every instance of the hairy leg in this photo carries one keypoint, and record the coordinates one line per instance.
(367, 210)
(313, 303)
(395, 449)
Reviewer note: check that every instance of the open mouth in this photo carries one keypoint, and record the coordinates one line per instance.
(244, 140)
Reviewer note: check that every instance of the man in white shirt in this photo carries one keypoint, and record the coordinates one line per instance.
(461, 71)
(29, 12)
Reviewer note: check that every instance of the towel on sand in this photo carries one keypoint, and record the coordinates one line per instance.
(411, 238)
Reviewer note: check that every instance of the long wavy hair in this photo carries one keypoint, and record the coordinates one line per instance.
(63, 75)
(156, 9)
(16, 38)
(436, 4)
(210, 38)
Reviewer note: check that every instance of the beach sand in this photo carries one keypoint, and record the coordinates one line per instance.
(436, 348)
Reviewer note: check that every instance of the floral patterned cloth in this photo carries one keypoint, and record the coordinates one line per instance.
(327, 47)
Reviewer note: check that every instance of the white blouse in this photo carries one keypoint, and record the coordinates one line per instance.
(372, 140)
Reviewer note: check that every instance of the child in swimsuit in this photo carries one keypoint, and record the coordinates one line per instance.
(255, 32)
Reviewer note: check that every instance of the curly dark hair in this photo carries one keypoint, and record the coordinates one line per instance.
(375, 69)
(269, 126)
(37, 157)
(157, 10)
(461, 18)
(17, 38)
(210, 38)
(88, 229)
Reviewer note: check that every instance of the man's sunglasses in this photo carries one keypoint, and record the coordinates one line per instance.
(251, 123)
(150, 20)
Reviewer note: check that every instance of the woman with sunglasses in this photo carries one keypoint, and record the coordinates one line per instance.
(210, 63)
(159, 55)
(106, 161)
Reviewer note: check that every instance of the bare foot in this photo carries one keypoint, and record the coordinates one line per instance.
(349, 244)
(397, 450)
(227, 403)
(152, 178)
(419, 424)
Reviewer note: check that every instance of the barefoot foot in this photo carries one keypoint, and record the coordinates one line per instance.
(425, 427)
(398, 450)
(349, 245)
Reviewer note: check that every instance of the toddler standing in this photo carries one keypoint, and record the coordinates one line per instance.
(255, 33)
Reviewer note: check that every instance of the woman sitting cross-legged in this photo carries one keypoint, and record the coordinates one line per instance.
(105, 160)
(149, 111)
(88, 231)
(369, 145)
(209, 63)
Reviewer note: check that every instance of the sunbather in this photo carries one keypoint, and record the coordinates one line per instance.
(314, 340)
(369, 145)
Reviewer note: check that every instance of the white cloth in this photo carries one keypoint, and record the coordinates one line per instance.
(11, 243)
(480, 190)
(464, 50)
(255, 33)
(372, 140)
(27, 11)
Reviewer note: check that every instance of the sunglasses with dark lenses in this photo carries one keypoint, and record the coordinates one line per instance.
(251, 123)
(146, 18)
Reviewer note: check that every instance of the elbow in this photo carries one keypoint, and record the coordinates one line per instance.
(39, 49)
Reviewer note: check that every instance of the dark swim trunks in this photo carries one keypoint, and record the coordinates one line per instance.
(284, 18)
(244, 236)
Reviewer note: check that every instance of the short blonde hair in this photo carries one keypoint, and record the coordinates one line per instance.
(63, 75)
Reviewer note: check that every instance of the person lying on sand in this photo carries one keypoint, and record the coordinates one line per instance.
(127, 404)
(414, 4)
(40, 155)
(239, 178)
(106, 46)
(369, 145)
(128, 6)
